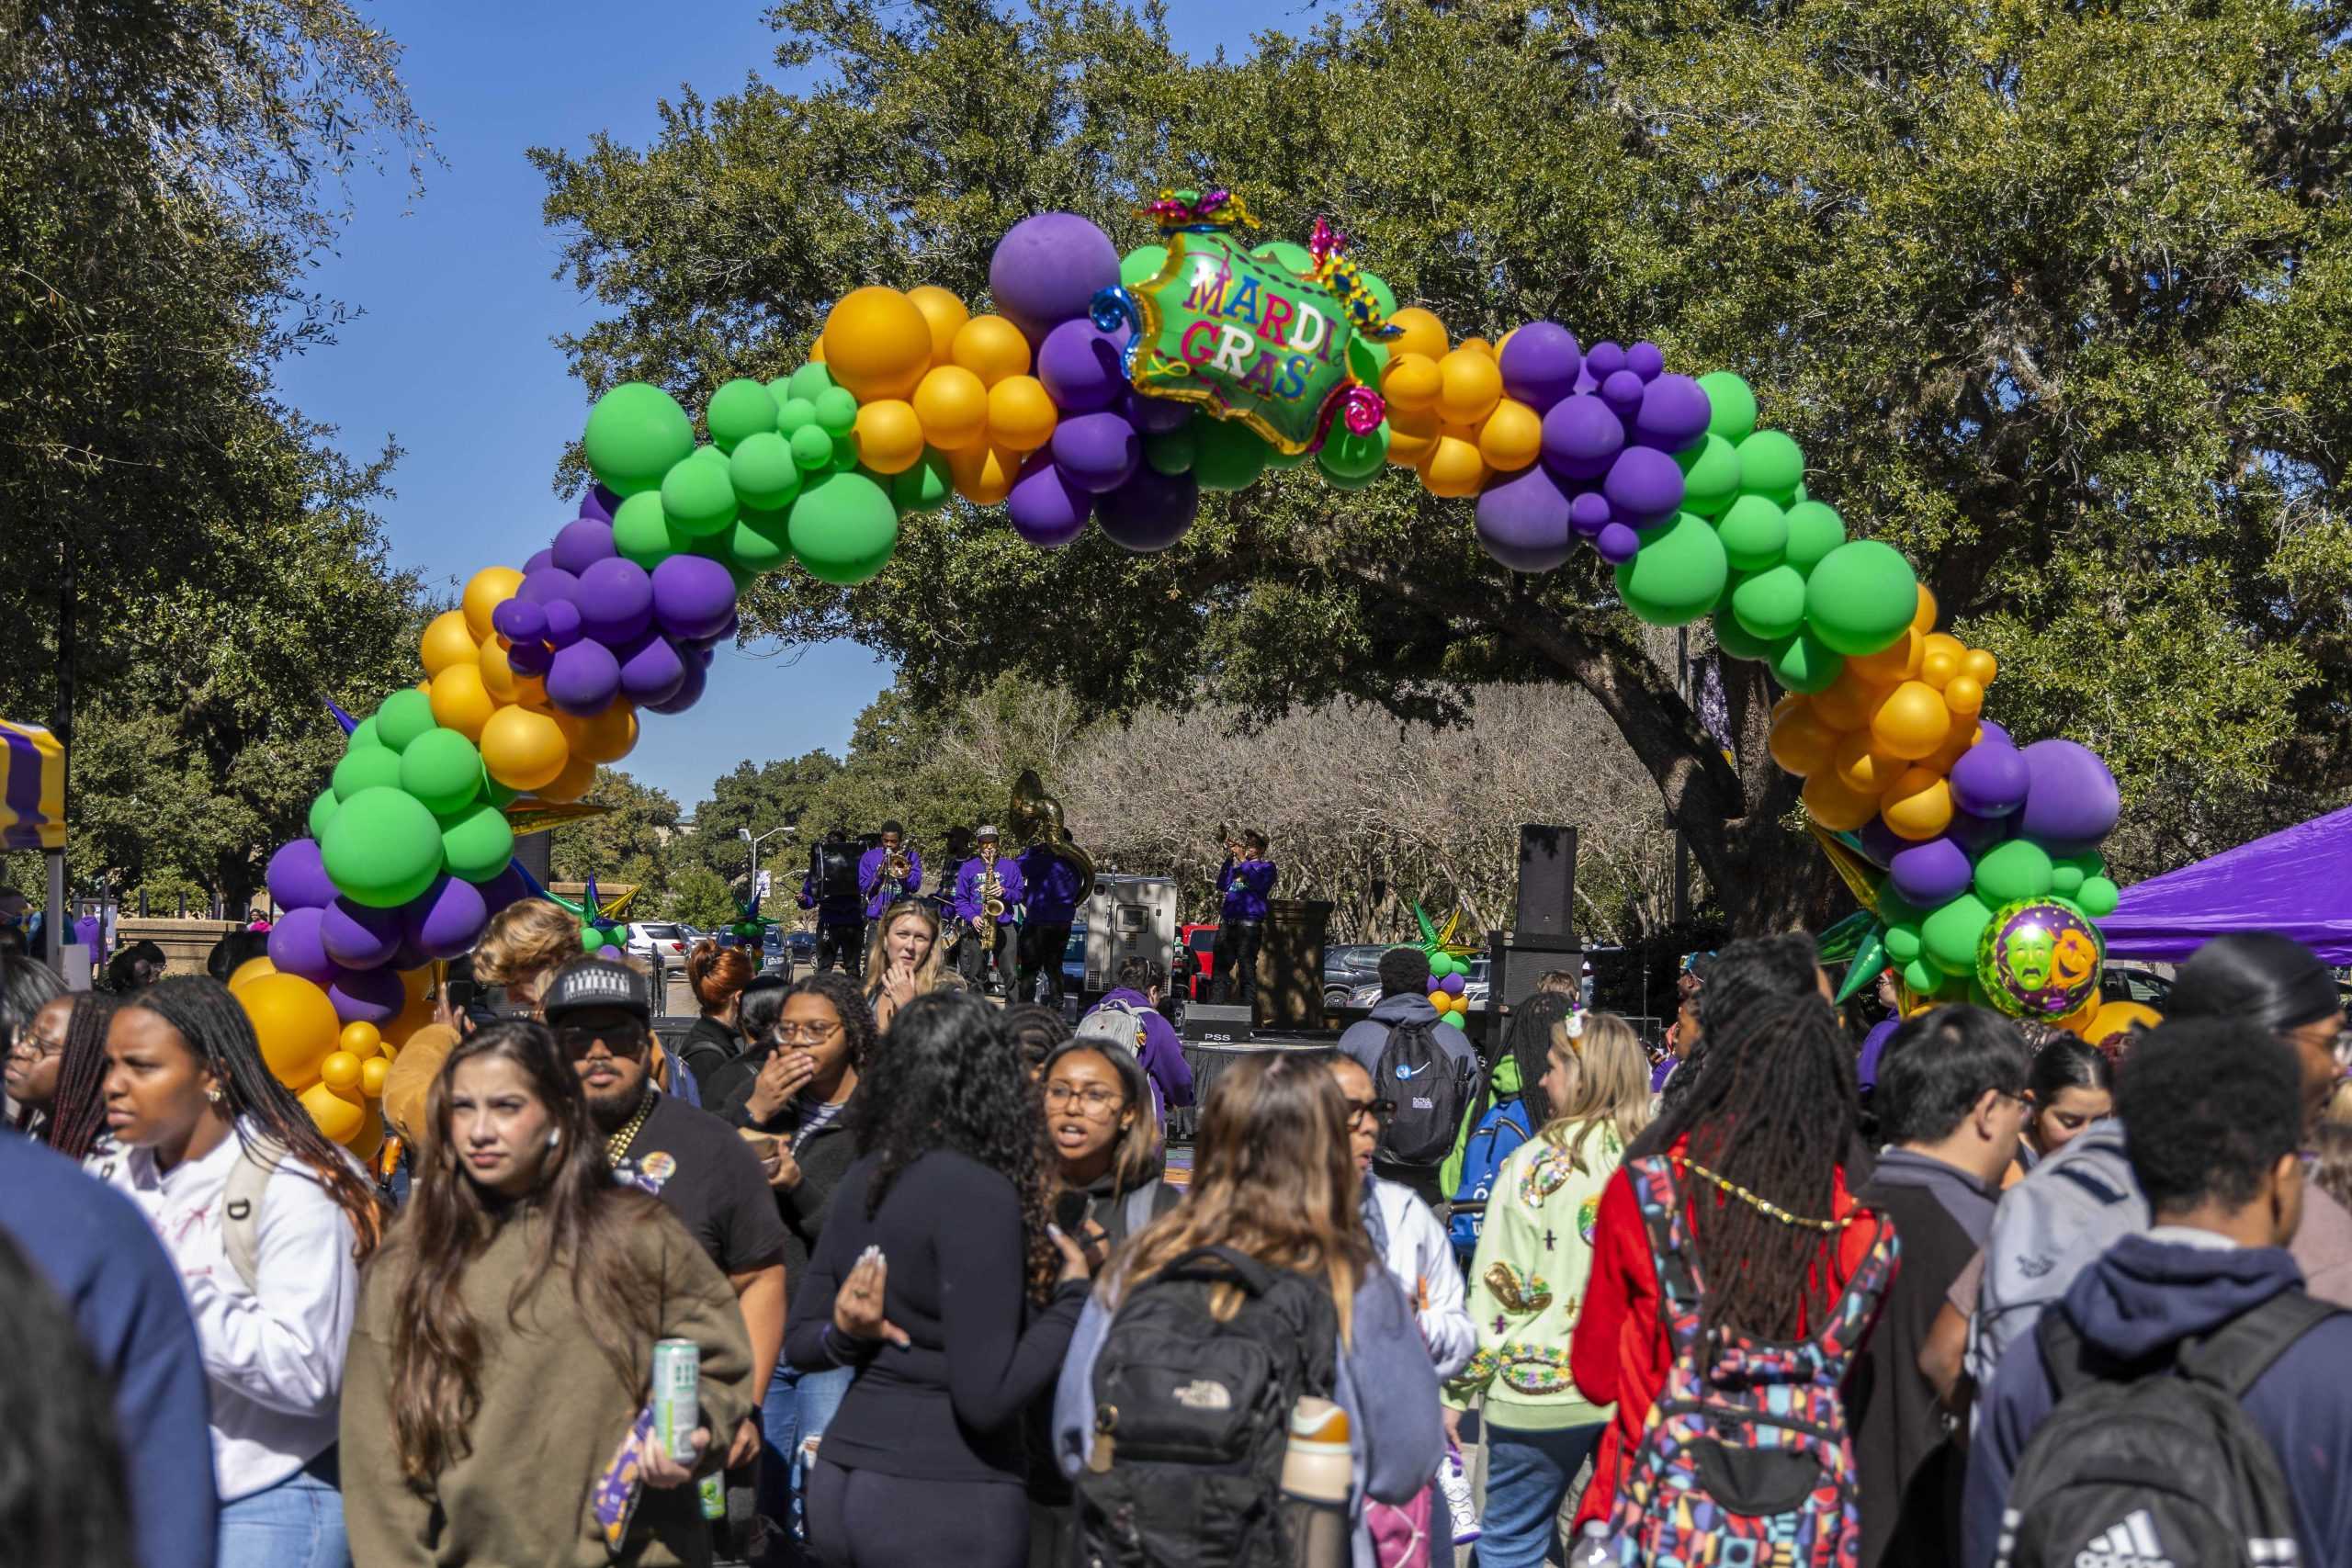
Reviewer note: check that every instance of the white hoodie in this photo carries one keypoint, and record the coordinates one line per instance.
(1420, 1259)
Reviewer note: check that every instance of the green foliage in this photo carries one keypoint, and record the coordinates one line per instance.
(632, 843)
(699, 896)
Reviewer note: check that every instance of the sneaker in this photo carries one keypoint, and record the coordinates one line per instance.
(1453, 1480)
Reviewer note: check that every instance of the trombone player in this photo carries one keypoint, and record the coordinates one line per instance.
(888, 872)
(988, 892)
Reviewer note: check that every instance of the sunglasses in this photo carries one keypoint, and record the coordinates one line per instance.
(579, 1039)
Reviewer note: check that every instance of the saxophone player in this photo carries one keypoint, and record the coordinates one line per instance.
(888, 872)
(988, 891)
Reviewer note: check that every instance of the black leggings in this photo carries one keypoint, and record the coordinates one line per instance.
(861, 1518)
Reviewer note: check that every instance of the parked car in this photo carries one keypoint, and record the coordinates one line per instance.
(2130, 983)
(1074, 961)
(776, 955)
(661, 943)
(802, 946)
(1348, 966)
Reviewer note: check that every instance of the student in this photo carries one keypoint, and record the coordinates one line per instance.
(1244, 883)
(939, 1280)
(1273, 1180)
(840, 916)
(1952, 1102)
(1154, 1041)
(907, 960)
(1530, 1276)
(1035, 1029)
(717, 975)
(1510, 1106)
(876, 885)
(1445, 1068)
(2215, 1109)
(523, 944)
(2071, 1085)
(986, 951)
(63, 1492)
(505, 1336)
(1683, 1034)
(40, 1085)
(191, 1101)
(1054, 891)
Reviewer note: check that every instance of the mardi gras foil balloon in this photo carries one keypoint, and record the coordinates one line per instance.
(2039, 958)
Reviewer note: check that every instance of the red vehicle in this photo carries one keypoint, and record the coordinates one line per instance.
(1196, 962)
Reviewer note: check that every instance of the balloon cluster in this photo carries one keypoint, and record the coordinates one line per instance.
(1449, 976)
(336, 1070)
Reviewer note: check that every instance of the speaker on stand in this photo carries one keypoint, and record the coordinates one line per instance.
(1543, 936)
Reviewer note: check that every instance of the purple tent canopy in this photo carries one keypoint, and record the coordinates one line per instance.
(2292, 882)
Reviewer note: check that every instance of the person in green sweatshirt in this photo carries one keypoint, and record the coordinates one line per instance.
(1506, 1111)
(1526, 1281)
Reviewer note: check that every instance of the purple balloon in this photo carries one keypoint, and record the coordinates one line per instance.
(1643, 485)
(651, 670)
(582, 543)
(689, 690)
(600, 503)
(1881, 843)
(1081, 367)
(366, 996)
(1990, 779)
(1646, 360)
(1048, 510)
(563, 622)
(1150, 512)
(693, 595)
(1603, 360)
(1928, 873)
(1673, 414)
(1048, 268)
(1098, 451)
(357, 936)
(2072, 803)
(1618, 544)
(508, 886)
(445, 919)
(518, 621)
(1623, 393)
(546, 585)
(1993, 732)
(1588, 513)
(297, 877)
(1581, 438)
(541, 560)
(295, 947)
(530, 658)
(1524, 521)
(615, 599)
(1154, 416)
(1452, 985)
(1976, 834)
(583, 679)
(1540, 365)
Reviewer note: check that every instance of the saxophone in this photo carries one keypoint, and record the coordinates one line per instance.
(991, 897)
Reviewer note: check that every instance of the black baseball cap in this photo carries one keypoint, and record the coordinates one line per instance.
(597, 983)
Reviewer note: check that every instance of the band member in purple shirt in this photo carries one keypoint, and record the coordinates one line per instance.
(987, 956)
(1054, 891)
(1244, 882)
(888, 872)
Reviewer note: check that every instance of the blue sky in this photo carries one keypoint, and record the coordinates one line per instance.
(452, 354)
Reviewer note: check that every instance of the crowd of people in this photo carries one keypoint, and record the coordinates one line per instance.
(942, 1294)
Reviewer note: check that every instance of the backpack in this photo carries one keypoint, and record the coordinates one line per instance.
(1746, 1456)
(1192, 1416)
(2151, 1465)
(1430, 1091)
(241, 1198)
(1116, 1023)
(1502, 1129)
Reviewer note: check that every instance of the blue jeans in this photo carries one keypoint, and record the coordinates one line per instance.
(798, 1406)
(1528, 1476)
(295, 1524)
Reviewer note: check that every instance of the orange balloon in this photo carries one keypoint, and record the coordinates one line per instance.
(610, 736)
(372, 1074)
(295, 1024)
(1923, 619)
(1864, 768)
(361, 1040)
(1470, 385)
(447, 640)
(1846, 702)
(943, 313)
(953, 406)
(523, 750)
(497, 670)
(984, 474)
(340, 1072)
(1939, 657)
(1411, 438)
(339, 1117)
(876, 342)
(485, 592)
(991, 348)
(1919, 805)
(1979, 666)
(1455, 468)
(1834, 805)
(890, 436)
(1480, 345)
(1965, 732)
(1411, 383)
(1964, 695)
(1898, 660)
(1419, 332)
(1911, 722)
(416, 1010)
(252, 969)
(1511, 437)
(2110, 1019)
(1022, 415)
(531, 694)
(579, 776)
(461, 700)
(1800, 742)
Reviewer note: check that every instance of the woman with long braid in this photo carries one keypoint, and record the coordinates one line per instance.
(1759, 1146)
(271, 1283)
(63, 1058)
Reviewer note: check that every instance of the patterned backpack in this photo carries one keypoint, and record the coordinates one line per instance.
(1746, 1461)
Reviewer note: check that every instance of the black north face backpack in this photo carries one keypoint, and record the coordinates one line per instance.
(1192, 1415)
(2156, 1466)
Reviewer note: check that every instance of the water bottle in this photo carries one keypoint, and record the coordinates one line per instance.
(1317, 1466)
(1594, 1548)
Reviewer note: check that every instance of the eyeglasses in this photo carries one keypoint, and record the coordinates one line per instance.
(579, 1039)
(1096, 1100)
(806, 1034)
(1364, 1113)
(34, 1049)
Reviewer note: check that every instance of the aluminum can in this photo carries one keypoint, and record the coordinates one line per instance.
(677, 1396)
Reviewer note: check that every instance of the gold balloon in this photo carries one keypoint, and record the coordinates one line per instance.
(984, 474)
(1419, 332)
(1455, 468)
(953, 406)
(461, 700)
(889, 436)
(943, 313)
(523, 750)
(877, 342)
(447, 640)
(1411, 383)
(1511, 437)
(339, 1118)
(485, 592)
(1022, 415)
(1919, 805)
(1912, 721)
(1470, 385)
(295, 1024)
(991, 348)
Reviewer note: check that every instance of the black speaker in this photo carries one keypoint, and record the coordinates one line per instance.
(1547, 883)
(1217, 1024)
(832, 870)
(1518, 963)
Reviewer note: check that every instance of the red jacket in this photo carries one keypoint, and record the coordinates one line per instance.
(1619, 1354)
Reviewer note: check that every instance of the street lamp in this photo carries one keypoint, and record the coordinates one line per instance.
(755, 840)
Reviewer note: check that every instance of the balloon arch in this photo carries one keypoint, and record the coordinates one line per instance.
(1112, 390)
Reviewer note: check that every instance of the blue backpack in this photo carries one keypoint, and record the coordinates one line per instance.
(1502, 1129)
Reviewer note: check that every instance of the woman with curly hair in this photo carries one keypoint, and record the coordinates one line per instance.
(938, 1280)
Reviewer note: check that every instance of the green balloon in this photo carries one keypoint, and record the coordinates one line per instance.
(1736, 639)
(1903, 942)
(925, 487)
(1227, 455)
(795, 413)
(1754, 532)
(2099, 897)
(845, 455)
(697, 496)
(1350, 455)
(1382, 295)
(362, 735)
(382, 849)
(810, 382)
(758, 543)
(1276, 459)
(1350, 481)
(1770, 466)
(1814, 530)
(2068, 873)
(1710, 476)
(836, 411)
(636, 433)
(476, 842)
(643, 533)
(591, 939)
(741, 409)
(780, 389)
(442, 770)
(1861, 596)
(1282, 252)
(1731, 405)
(1923, 977)
(499, 794)
(1172, 451)
(1806, 663)
(404, 717)
(1141, 264)
(1367, 359)
(1771, 605)
(812, 449)
(323, 812)
(2017, 869)
(1950, 934)
(763, 472)
(1678, 574)
(843, 527)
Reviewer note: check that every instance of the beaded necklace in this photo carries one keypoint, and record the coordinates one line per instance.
(617, 1144)
(1769, 1210)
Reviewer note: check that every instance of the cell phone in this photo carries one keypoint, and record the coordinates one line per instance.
(1069, 1214)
